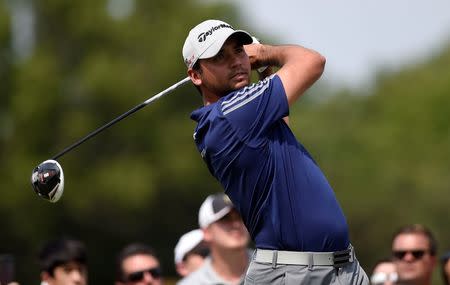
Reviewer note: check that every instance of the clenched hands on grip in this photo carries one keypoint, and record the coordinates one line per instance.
(299, 67)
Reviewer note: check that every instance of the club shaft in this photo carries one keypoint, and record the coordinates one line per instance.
(121, 117)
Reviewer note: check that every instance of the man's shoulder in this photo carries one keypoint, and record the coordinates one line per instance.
(241, 97)
(251, 88)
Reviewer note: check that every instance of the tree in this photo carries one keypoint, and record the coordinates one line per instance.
(87, 68)
(385, 151)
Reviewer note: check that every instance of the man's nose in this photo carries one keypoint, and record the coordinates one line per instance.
(77, 276)
(235, 60)
(148, 277)
(409, 257)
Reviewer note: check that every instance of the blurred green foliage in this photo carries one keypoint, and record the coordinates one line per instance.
(385, 150)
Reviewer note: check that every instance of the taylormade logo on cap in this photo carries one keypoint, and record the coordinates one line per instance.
(202, 36)
(207, 38)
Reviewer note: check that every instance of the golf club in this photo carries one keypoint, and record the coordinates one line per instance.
(47, 178)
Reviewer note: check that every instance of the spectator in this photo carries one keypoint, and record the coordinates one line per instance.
(445, 265)
(227, 239)
(384, 273)
(137, 264)
(414, 250)
(63, 261)
(190, 252)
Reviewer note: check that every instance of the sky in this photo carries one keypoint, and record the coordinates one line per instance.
(357, 37)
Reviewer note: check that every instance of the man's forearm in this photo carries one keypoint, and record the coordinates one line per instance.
(299, 67)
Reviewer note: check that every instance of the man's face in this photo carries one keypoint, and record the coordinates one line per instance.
(71, 273)
(191, 263)
(229, 70)
(141, 269)
(228, 232)
(412, 256)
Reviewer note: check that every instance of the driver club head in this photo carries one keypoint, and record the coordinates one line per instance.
(47, 180)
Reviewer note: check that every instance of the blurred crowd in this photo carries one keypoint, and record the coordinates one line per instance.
(218, 253)
(413, 260)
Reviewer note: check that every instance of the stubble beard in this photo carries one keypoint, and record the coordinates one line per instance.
(222, 89)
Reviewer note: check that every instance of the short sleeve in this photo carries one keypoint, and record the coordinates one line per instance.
(253, 110)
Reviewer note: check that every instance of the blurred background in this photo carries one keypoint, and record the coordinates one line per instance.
(377, 122)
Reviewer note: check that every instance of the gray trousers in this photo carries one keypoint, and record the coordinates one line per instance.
(260, 273)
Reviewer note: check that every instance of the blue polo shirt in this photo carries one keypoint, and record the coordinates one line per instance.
(282, 195)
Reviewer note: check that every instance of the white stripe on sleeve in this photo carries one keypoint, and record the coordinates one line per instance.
(245, 95)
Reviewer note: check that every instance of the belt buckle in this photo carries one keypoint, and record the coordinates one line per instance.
(341, 258)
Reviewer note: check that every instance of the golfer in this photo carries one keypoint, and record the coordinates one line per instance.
(285, 201)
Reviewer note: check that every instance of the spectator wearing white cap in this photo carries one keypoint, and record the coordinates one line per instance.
(227, 238)
(190, 252)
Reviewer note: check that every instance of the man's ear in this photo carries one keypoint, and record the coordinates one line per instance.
(433, 260)
(45, 277)
(195, 76)
(181, 269)
(207, 235)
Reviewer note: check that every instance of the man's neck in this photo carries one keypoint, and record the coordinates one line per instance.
(230, 265)
(209, 99)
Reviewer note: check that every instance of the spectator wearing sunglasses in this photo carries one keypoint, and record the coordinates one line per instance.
(63, 261)
(227, 238)
(414, 253)
(137, 264)
(190, 252)
(384, 273)
(445, 265)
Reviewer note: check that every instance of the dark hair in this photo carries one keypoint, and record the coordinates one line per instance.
(201, 249)
(59, 252)
(197, 66)
(131, 250)
(444, 259)
(419, 229)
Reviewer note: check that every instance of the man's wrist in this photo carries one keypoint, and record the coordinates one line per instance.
(261, 69)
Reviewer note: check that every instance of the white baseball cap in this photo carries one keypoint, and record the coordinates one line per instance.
(207, 38)
(215, 207)
(186, 243)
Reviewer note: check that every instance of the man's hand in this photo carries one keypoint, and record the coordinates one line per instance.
(253, 50)
(261, 69)
(299, 67)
